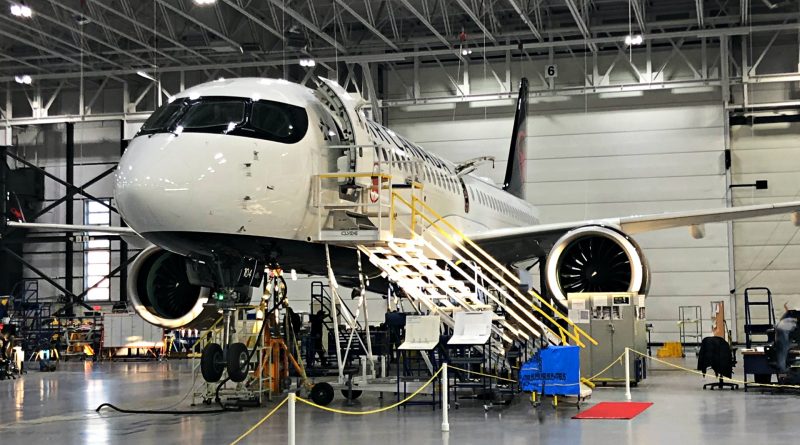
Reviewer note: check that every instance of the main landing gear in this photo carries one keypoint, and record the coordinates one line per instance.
(214, 360)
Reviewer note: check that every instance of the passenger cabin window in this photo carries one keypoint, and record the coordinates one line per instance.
(214, 113)
(279, 122)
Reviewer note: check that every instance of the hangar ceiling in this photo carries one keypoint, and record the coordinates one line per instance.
(120, 59)
(121, 37)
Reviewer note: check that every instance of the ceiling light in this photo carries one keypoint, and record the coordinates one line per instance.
(146, 76)
(307, 62)
(632, 40)
(82, 20)
(24, 79)
(21, 10)
(204, 2)
(466, 52)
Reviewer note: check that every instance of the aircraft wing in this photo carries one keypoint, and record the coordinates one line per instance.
(73, 228)
(521, 243)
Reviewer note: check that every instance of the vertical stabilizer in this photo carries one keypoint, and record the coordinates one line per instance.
(514, 181)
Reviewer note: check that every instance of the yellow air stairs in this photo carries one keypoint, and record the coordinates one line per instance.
(442, 271)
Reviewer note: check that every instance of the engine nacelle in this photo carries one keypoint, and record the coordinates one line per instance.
(596, 259)
(159, 288)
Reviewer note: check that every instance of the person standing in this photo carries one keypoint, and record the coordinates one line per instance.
(785, 332)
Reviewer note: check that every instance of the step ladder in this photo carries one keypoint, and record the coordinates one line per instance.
(762, 298)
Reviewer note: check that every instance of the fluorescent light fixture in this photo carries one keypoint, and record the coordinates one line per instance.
(633, 40)
(24, 79)
(204, 2)
(308, 62)
(146, 76)
(621, 94)
(21, 11)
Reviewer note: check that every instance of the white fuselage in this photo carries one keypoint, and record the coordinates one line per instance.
(178, 187)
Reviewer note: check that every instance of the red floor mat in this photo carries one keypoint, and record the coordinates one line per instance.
(614, 410)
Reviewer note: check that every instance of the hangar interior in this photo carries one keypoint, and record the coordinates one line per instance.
(635, 107)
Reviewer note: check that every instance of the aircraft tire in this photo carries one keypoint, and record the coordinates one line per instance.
(238, 363)
(212, 363)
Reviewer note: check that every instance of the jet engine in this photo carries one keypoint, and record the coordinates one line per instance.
(159, 288)
(596, 259)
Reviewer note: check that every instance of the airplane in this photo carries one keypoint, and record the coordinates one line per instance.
(221, 181)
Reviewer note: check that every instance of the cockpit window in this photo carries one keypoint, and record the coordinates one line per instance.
(279, 122)
(235, 116)
(162, 118)
(204, 114)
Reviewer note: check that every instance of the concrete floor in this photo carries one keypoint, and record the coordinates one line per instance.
(58, 408)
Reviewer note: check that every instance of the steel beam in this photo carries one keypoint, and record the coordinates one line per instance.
(200, 24)
(368, 25)
(638, 13)
(149, 29)
(70, 207)
(122, 34)
(475, 19)
(255, 19)
(582, 27)
(307, 23)
(525, 19)
(698, 6)
(424, 21)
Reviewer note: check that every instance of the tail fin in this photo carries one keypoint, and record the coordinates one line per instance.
(514, 182)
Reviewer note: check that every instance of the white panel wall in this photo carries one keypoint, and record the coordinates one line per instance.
(616, 158)
(767, 250)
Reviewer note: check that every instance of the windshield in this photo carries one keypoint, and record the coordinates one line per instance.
(162, 118)
(263, 119)
(213, 113)
(279, 122)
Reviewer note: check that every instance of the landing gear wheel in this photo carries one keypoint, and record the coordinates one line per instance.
(356, 393)
(322, 394)
(238, 363)
(212, 363)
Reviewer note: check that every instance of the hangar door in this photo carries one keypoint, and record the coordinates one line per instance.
(766, 250)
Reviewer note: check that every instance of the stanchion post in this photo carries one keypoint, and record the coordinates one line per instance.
(292, 402)
(445, 402)
(628, 373)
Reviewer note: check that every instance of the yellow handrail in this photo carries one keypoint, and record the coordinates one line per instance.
(505, 271)
(462, 237)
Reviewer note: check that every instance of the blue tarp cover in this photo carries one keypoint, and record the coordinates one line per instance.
(555, 370)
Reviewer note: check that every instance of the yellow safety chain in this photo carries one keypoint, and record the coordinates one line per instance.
(481, 374)
(258, 424)
(373, 411)
(617, 360)
(725, 379)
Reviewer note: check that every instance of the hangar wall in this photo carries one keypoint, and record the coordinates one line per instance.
(611, 155)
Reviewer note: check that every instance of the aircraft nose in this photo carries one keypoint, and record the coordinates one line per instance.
(152, 184)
